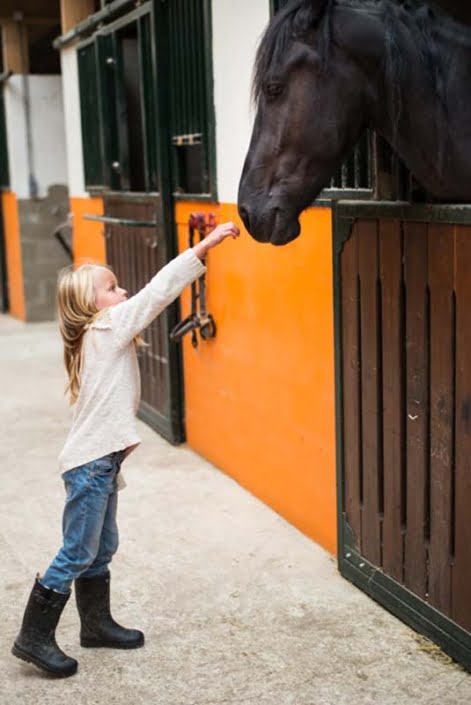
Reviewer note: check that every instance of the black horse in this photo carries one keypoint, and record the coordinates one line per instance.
(328, 69)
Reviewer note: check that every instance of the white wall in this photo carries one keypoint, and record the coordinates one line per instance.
(73, 127)
(47, 133)
(237, 27)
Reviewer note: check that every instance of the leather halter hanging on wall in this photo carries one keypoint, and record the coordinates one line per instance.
(199, 318)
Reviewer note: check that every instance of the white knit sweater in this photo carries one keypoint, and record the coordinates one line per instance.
(104, 417)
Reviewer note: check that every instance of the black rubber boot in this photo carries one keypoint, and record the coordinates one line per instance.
(98, 627)
(36, 642)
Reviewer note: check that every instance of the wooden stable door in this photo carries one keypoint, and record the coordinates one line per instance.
(125, 158)
(136, 249)
(404, 414)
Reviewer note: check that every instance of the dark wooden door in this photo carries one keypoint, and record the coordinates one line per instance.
(136, 248)
(138, 205)
(404, 412)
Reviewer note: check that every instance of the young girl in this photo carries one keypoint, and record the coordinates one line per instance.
(100, 328)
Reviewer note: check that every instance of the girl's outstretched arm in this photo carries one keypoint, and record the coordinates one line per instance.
(130, 317)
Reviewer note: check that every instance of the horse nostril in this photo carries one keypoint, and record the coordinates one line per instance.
(244, 214)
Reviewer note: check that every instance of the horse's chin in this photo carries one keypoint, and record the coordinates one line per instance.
(285, 233)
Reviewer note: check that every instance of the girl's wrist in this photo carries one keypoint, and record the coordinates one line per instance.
(201, 249)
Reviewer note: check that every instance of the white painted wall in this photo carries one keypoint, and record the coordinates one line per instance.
(73, 126)
(47, 128)
(237, 28)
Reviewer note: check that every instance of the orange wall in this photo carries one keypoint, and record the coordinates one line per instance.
(88, 239)
(13, 256)
(260, 396)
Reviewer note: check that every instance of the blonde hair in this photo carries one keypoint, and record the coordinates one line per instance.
(77, 310)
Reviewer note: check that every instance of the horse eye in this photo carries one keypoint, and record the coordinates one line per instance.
(273, 89)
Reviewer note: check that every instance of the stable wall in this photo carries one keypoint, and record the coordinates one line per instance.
(14, 264)
(259, 398)
(88, 235)
(232, 76)
(37, 202)
(48, 149)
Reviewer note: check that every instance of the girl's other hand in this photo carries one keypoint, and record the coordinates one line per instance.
(215, 237)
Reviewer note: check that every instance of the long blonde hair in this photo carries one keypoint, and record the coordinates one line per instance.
(77, 310)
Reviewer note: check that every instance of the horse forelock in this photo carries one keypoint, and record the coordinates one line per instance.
(293, 21)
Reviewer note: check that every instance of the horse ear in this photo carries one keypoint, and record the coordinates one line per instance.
(310, 12)
(362, 35)
(318, 7)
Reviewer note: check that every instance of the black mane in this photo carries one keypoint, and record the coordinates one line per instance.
(298, 17)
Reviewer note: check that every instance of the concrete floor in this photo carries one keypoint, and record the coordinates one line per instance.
(238, 607)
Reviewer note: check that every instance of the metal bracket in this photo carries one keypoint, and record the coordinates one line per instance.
(125, 222)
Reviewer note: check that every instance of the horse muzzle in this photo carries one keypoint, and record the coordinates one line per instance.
(272, 224)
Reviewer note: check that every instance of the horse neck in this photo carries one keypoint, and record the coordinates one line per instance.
(428, 136)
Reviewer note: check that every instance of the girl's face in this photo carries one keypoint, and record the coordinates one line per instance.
(107, 291)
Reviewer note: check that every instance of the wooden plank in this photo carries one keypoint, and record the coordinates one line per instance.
(390, 243)
(74, 11)
(15, 47)
(461, 587)
(417, 402)
(441, 282)
(370, 412)
(351, 384)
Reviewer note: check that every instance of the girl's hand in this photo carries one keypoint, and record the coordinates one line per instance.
(215, 237)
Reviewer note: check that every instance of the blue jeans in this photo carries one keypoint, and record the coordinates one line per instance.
(90, 532)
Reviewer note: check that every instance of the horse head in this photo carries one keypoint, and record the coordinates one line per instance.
(327, 69)
(311, 109)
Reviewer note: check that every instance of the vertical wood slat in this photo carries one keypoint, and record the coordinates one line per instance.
(158, 349)
(417, 343)
(390, 243)
(441, 282)
(462, 530)
(351, 383)
(146, 269)
(368, 269)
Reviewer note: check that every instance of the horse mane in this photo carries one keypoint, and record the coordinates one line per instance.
(298, 17)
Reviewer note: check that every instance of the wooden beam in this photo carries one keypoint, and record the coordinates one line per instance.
(15, 47)
(74, 11)
(34, 20)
